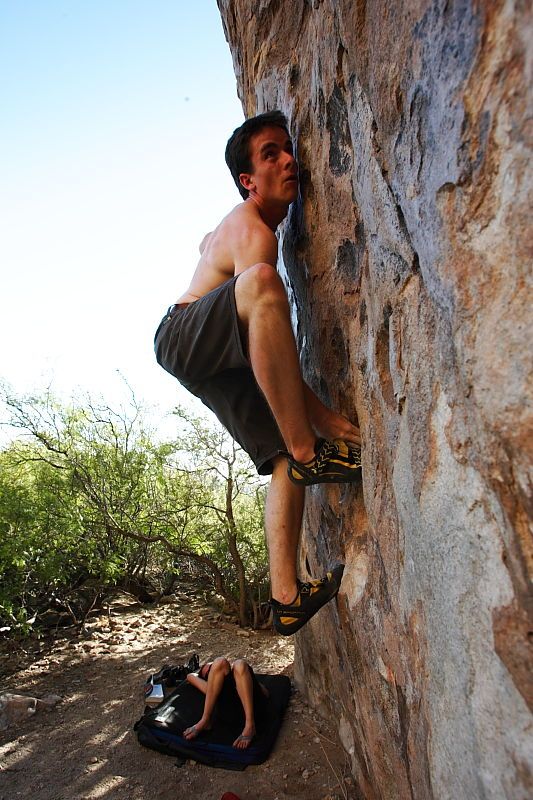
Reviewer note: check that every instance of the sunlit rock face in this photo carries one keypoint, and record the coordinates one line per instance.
(407, 260)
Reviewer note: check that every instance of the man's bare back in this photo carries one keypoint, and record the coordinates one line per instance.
(241, 240)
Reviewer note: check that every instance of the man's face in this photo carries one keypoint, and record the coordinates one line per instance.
(274, 175)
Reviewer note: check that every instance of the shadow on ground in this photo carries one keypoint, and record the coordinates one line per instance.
(86, 747)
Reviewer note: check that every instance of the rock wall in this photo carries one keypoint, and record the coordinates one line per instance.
(407, 262)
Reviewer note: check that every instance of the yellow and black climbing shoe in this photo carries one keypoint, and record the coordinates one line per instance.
(334, 462)
(310, 598)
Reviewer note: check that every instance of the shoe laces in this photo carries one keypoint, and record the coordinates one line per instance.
(327, 450)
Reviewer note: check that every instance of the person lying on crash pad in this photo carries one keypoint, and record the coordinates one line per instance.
(228, 687)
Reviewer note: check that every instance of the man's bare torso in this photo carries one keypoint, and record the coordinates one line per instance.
(239, 241)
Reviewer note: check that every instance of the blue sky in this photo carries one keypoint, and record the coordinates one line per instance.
(113, 121)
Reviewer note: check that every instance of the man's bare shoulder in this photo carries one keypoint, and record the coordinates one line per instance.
(244, 218)
(239, 224)
(248, 237)
(239, 241)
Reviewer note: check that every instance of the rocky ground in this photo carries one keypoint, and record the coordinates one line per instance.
(85, 747)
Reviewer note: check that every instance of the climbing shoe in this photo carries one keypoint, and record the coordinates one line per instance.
(311, 596)
(334, 462)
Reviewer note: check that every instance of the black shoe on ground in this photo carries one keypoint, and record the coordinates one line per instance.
(311, 596)
(334, 462)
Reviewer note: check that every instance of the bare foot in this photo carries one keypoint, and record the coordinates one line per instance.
(195, 730)
(244, 741)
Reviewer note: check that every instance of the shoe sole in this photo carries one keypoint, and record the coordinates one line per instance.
(353, 477)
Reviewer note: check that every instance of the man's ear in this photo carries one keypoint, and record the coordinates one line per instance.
(247, 181)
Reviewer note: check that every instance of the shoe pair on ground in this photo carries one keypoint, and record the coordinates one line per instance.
(334, 462)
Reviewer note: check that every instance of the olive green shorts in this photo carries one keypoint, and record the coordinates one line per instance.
(200, 344)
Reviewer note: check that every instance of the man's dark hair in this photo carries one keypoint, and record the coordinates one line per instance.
(238, 149)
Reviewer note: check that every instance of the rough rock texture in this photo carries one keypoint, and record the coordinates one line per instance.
(407, 262)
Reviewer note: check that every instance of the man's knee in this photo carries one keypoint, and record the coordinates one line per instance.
(262, 283)
(240, 667)
(221, 665)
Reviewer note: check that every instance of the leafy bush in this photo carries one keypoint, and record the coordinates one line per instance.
(90, 502)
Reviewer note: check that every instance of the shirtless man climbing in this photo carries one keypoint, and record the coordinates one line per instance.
(229, 341)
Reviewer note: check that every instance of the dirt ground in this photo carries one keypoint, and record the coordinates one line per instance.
(85, 748)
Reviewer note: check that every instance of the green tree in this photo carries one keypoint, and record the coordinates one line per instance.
(230, 512)
(90, 501)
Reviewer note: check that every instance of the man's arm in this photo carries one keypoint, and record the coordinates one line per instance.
(195, 680)
(255, 244)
